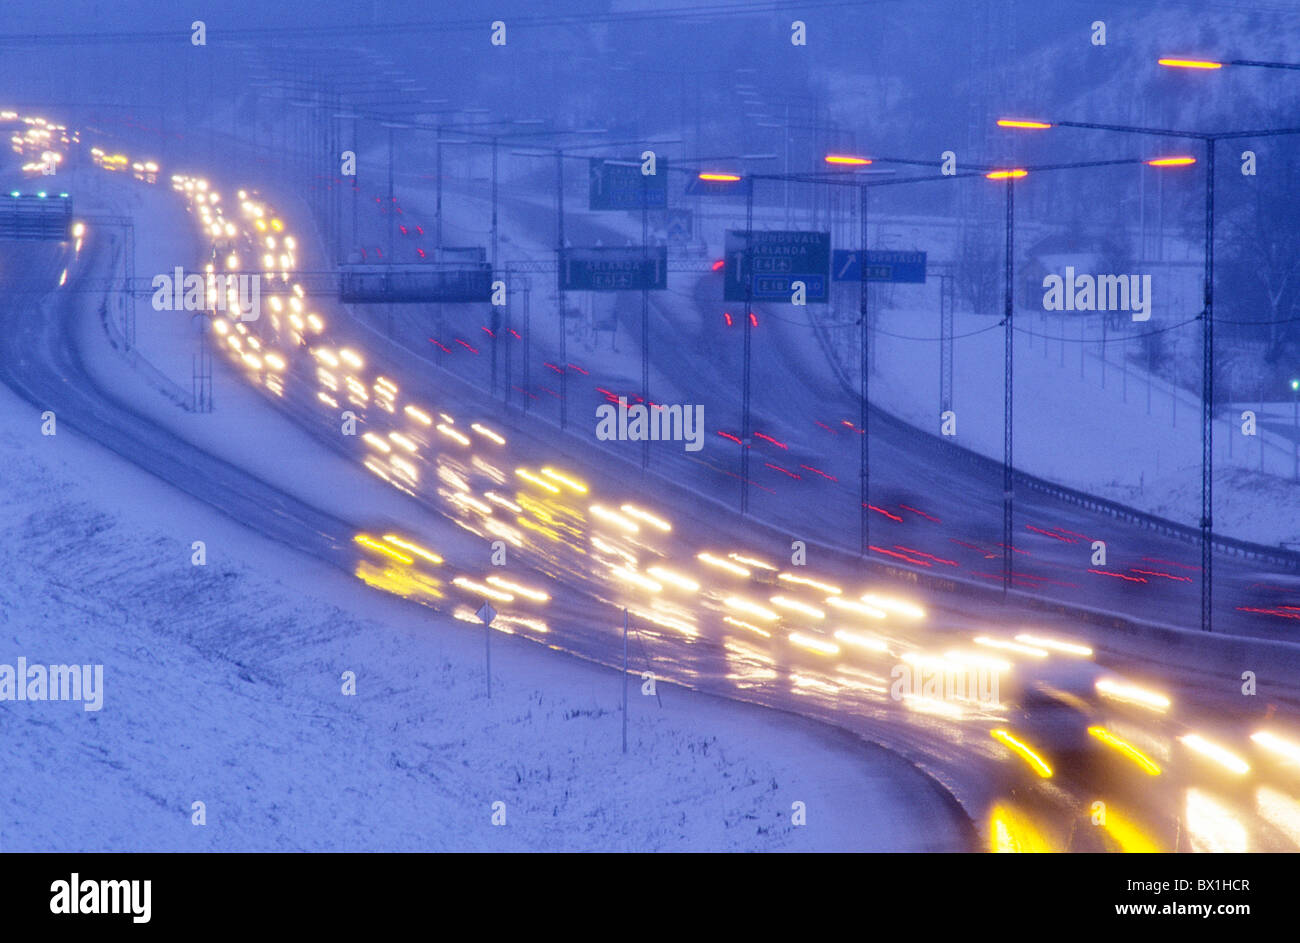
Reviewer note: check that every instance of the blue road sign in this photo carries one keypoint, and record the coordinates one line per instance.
(622, 186)
(883, 265)
(771, 262)
(616, 269)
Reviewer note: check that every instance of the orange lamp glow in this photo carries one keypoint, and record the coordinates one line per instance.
(1019, 123)
(845, 159)
(1006, 174)
(1171, 161)
(720, 178)
(1190, 64)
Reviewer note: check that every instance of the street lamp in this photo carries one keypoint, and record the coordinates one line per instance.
(1212, 65)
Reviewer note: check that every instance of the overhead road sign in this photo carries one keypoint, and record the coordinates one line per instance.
(450, 283)
(603, 268)
(620, 185)
(764, 266)
(883, 265)
(36, 216)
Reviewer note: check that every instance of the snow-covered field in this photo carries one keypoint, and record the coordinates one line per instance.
(223, 685)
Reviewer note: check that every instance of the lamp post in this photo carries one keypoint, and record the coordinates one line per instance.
(1009, 373)
(1207, 313)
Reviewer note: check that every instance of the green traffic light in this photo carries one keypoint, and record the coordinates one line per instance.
(1295, 384)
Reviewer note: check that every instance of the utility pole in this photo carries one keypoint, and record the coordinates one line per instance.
(624, 680)
(747, 274)
(1207, 402)
(864, 498)
(1008, 475)
(390, 196)
(645, 314)
(559, 288)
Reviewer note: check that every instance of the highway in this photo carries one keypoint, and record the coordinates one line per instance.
(929, 509)
(714, 598)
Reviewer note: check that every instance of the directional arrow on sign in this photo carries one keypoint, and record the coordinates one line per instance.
(850, 260)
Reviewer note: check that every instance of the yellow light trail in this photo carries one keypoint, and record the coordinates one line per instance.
(536, 595)
(628, 575)
(1284, 748)
(529, 477)
(645, 517)
(451, 433)
(1016, 647)
(752, 561)
(613, 517)
(372, 544)
(1056, 645)
(487, 433)
(859, 608)
(795, 605)
(565, 480)
(673, 579)
(1144, 762)
(722, 564)
(748, 627)
(1024, 751)
(1132, 694)
(861, 641)
(1221, 755)
(751, 608)
(827, 588)
(466, 583)
(814, 644)
(413, 548)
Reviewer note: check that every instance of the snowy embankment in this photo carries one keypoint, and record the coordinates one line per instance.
(223, 684)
